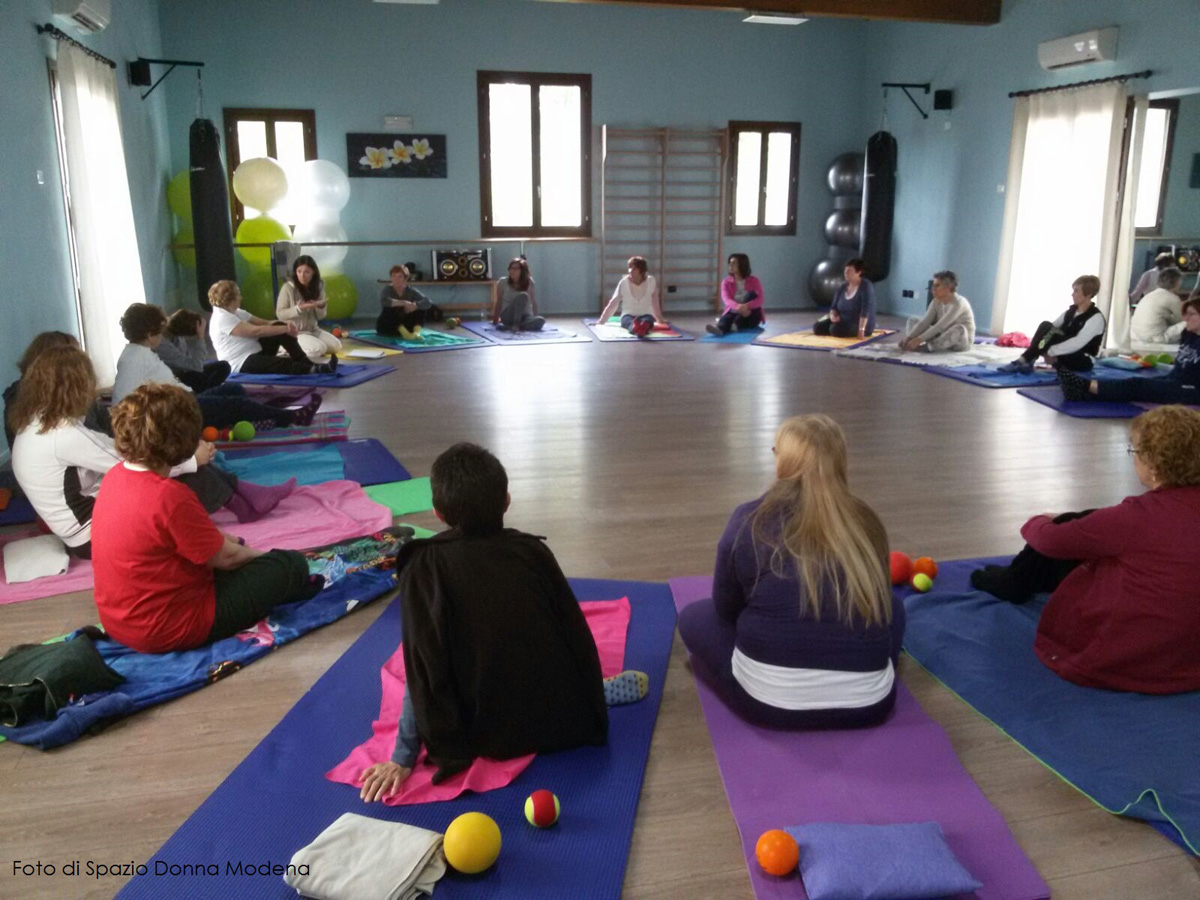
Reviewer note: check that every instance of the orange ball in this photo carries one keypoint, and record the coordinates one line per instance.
(210, 433)
(777, 852)
(925, 565)
(901, 566)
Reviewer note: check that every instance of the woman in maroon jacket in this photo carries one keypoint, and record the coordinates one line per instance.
(1124, 613)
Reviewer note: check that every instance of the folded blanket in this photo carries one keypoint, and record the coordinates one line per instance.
(357, 858)
(977, 355)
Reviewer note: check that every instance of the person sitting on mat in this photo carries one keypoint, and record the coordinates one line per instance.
(853, 311)
(59, 461)
(948, 325)
(500, 661)
(222, 406)
(250, 344)
(513, 303)
(185, 351)
(404, 309)
(1181, 385)
(1123, 613)
(742, 294)
(1150, 277)
(1158, 319)
(302, 302)
(802, 630)
(166, 578)
(96, 418)
(1071, 340)
(636, 299)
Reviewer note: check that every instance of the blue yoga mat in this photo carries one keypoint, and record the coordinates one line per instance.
(365, 460)
(278, 800)
(734, 337)
(347, 375)
(1131, 754)
(987, 376)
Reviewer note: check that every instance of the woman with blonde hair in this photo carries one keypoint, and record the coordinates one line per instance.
(250, 344)
(1123, 613)
(802, 630)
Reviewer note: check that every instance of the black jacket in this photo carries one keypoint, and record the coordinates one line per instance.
(499, 658)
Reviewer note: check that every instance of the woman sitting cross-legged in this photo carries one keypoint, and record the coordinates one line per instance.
(185, 351)
(1123, 613)
(302, 302)
(802, 630)
(166, 577)
(852, 313)
(250, 344)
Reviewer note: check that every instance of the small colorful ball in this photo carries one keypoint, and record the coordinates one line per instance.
(453, 322)
(922, 582)
(542, 809)
(224, 434)
(337, 332)
(210, 434)
(926, 566)
(472, 842)
(901, 566)
(243, 431)
(777, 852)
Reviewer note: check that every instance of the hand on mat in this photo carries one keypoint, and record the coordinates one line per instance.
(205, 451)
(911, 344)
(382, 780)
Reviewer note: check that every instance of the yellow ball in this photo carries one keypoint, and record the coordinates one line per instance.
(472, 842)
(922, 582)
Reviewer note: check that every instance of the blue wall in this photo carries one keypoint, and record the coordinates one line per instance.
(37, 292)
(949, 213)
(355, 62)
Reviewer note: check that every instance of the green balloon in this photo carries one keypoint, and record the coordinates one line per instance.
(258, 297)
(260, 230)
(341, 296)
(179, 196)
(186, 258)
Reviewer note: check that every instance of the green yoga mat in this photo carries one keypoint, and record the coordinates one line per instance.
(403, 497)
(430, 340)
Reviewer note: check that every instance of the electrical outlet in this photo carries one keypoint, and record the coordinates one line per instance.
(907, 294)
(671, 289)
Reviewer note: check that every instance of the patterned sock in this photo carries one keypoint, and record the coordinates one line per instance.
(306, 413)
(1073, 386)
(628, 687)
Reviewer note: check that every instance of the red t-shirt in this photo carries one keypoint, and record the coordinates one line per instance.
(151, 540)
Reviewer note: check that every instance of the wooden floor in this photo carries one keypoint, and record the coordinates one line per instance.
(630, 459)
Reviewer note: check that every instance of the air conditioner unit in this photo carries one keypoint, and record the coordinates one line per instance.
(90, 15)
(1098, 45)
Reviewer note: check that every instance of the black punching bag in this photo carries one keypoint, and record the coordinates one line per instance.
(210, 210)
(878, 204)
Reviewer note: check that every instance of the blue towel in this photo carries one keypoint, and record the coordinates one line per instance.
(307, 466)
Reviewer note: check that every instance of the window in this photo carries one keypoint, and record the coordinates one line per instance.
(764, 163)
(535, 141)
(288, 136)
(1156, 166)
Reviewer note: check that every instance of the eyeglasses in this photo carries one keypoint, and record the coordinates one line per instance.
(1131, 450)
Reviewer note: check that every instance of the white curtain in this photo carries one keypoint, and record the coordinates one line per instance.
(1060, 217)
(110, 270)
(1121, 316)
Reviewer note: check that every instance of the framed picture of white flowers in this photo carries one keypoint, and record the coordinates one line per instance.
(396, 155)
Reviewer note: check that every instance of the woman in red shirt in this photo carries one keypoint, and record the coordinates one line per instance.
(1124, 613)
(166, 577)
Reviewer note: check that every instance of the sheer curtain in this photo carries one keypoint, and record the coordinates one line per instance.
(1060, 216)
(1121, 316)
(110, 270)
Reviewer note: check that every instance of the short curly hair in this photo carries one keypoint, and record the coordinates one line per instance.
(223, 293)
(183, 322)
(142, 321)
(1168, 441)
(157, 425)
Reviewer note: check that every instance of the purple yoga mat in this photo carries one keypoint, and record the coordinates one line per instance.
(902, 771)
(1086, 409)
(509, 338)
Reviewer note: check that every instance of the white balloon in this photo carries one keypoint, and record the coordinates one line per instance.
(319, 215)
(322, 183)
(329, 259)
(260, 183)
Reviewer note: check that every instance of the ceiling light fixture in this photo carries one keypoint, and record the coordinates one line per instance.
(774, 19)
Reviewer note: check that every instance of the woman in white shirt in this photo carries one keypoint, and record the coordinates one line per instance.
(637, 299)
(302, 302)
(250, 344)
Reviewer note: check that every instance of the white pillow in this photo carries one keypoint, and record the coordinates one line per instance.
(36, 557)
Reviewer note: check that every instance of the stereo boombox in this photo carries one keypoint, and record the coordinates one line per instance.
(462, 265)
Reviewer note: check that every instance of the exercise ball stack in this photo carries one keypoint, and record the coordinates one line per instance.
(842, 229)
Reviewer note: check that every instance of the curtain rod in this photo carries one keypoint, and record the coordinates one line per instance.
(1066, 87)
(63, 36)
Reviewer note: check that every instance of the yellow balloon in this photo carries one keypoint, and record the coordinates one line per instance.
(472, 842)
(186, 258)
(260, 230)
(179, 196)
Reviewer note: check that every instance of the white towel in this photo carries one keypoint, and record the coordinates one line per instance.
(36, 557)
(358, 858)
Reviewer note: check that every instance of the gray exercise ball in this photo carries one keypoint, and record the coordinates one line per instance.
(845, 175)
(825, 279)
(843, 227)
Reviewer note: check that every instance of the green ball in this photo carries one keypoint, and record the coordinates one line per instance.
(341, 295)
(186, 258)
(242, 431)
(922, 582)
(260, 230)
(179, 196)
(258, 297)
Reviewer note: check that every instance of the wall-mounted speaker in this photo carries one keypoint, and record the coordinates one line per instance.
(462, 265)
(943, 99)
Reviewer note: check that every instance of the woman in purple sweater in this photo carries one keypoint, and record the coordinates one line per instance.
(802, 630)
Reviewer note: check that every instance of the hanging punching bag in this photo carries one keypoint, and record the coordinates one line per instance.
(879, 199)
(210, 210)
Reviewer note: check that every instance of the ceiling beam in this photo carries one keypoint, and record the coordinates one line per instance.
(956, 12)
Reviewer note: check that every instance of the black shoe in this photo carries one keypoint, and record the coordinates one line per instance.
(1074, 387)
(328, 368)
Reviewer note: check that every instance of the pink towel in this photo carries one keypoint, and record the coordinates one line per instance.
(608, 619)
(310, 517)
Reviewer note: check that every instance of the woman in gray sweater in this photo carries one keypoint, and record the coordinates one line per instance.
(948, 325)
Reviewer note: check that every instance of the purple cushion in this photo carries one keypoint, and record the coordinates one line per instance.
(879, 862)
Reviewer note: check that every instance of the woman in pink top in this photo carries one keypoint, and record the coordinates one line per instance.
(742, 294)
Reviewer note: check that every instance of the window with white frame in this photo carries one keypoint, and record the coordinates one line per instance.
(763, 169)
